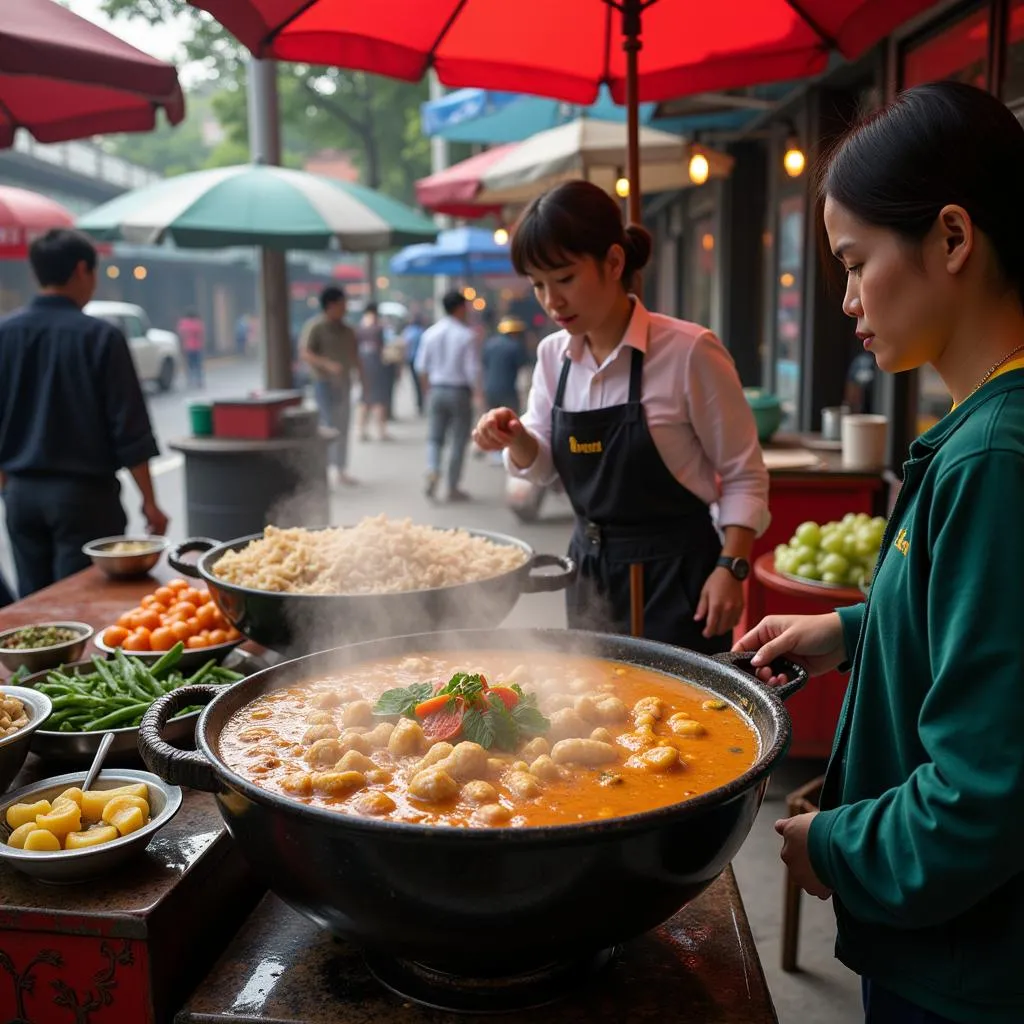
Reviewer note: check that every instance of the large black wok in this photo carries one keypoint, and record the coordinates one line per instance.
(482, 901)
(302, 623)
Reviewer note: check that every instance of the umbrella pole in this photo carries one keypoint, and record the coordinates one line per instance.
(632, 44)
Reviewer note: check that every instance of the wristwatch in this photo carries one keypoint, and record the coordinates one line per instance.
(739, 567)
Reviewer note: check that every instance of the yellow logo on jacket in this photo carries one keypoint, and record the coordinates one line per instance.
(585, 447)
(902, 543)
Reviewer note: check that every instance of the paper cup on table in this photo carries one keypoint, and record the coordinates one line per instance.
(864, 439)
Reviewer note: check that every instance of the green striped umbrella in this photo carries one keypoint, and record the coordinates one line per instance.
(251, 204)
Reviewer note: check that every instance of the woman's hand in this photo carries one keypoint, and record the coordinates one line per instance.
(721, 603)
(795, 855)
(502, 428)
(813, 641)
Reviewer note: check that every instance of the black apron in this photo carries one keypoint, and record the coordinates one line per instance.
(630, 508)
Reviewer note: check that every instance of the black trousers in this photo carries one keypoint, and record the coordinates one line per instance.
(49, 518)
(675, 569)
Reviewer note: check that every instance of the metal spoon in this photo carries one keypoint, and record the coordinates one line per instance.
(97, 761)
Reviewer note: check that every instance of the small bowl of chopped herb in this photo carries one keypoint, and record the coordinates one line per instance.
(43, 645)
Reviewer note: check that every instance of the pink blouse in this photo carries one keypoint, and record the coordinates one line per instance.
(699, 419)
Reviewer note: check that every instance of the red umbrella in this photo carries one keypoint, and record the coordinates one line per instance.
(23, 216)
(565, 49)
(64, 78)
(452, 190)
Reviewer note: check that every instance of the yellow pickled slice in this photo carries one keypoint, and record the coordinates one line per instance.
(19, 814)
(42, 840)
(62, 819)
(93, 837)
(127, 820)
(74, 794)
(120, 803)
(95, 800)
(18, 836)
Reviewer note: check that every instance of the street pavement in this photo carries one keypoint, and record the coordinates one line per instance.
(390, 479)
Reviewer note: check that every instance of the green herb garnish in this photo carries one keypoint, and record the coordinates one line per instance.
(485, 719)
(403, 701)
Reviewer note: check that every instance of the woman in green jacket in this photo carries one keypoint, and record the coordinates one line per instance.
(920, 837)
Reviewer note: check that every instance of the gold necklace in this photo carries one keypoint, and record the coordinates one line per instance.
(995, 366)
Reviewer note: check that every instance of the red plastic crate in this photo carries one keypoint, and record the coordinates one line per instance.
(256, 418)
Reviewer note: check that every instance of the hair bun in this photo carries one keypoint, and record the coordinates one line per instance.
(638, 248)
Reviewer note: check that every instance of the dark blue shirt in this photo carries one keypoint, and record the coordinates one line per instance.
(503, 357)
(70, 399)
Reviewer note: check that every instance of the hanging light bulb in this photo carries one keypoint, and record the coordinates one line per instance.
(699, 168)
(622, 188)
(794, 159)
(500, 236)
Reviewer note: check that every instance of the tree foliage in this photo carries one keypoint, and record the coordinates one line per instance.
(374, 119)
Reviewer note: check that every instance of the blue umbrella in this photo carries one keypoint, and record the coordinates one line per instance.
(459, 252)
(484, 116)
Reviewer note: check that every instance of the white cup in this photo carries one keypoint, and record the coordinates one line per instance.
(864, 438)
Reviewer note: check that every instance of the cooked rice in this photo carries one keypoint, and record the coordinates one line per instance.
(377, 556)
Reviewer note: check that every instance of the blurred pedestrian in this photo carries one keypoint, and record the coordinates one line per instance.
(192, 335)
(243, 328)
(412, 335)
(71, 415)
(329, 347)
(449, 372)
(376, 376)
(504, 356)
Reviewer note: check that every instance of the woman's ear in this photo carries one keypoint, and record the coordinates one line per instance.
(615, 261)
(957, 234)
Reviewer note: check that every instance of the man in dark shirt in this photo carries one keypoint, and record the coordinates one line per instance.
(504, 356)
(71, 415)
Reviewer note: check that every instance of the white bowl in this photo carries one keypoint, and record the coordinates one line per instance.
(65, 867)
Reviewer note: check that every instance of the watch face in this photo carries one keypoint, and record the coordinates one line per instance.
(740, 568)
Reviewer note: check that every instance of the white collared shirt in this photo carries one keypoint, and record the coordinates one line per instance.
(698, 416)
(447, 355)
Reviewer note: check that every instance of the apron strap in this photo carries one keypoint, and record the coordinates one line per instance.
(636, 375)
(562, 381)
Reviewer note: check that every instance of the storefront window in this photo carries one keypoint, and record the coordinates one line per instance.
(958, 51)
(1013, 87)
(789, 300)
(700, 270)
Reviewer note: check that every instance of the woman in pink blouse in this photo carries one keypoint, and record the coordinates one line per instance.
(643, 418)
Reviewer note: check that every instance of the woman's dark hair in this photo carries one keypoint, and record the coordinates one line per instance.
(935, 145)
(576, 219)
(55, 255)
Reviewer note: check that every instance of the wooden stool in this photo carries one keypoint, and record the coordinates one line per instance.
(801, 801)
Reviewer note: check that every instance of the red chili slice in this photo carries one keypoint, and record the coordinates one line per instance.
(508, 696)
(445, 724)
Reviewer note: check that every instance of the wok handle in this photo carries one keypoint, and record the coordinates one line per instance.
(537, 582)
(795, 674)
(175, 560)
(180, 767)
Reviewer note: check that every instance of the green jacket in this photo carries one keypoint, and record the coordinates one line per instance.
(921, 834)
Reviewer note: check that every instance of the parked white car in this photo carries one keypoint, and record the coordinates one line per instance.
(157, 353)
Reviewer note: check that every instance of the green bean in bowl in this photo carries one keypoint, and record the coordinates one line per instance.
(93, 697)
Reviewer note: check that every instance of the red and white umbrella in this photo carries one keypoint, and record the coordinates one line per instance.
(24, 216)
(61, 77)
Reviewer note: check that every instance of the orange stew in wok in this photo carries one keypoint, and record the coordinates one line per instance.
(490, 738)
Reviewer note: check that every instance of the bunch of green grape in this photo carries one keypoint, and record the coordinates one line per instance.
(842, 553)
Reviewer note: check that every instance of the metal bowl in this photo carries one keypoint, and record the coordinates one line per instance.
(65, 867)
(14, 748)
(79, 748)
(120, 567)
(38, 658)
(190, 660)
